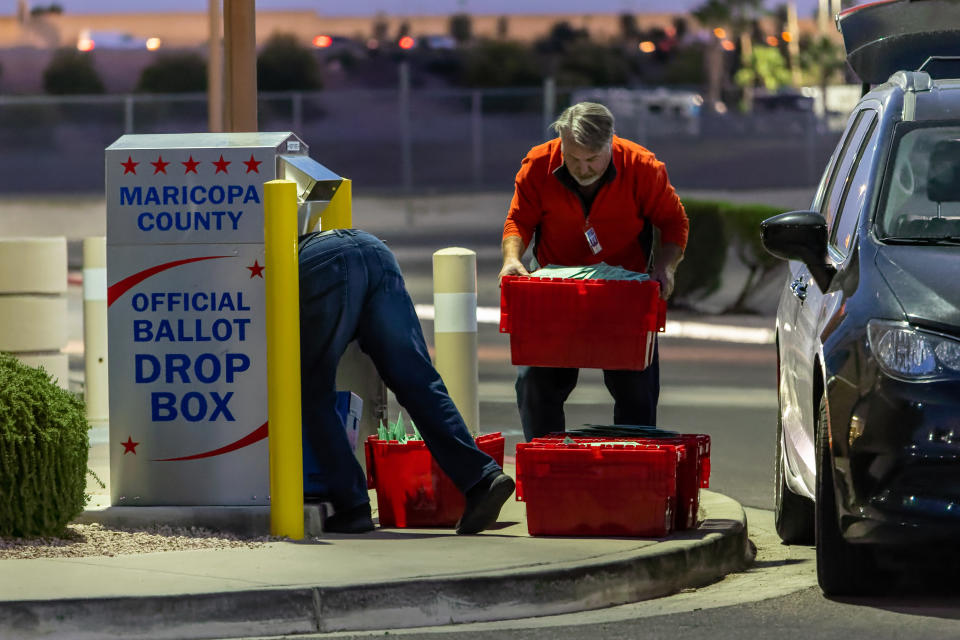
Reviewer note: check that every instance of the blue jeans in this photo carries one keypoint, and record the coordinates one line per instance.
(541, 392)
(351, 288)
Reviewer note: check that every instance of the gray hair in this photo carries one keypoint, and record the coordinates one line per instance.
(590, 124)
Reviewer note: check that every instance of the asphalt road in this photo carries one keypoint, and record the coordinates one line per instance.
(776, 597)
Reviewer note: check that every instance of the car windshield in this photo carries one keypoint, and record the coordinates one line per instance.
(921, 202)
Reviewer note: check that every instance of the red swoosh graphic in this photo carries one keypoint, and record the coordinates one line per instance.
(254, 436)
(116, 290)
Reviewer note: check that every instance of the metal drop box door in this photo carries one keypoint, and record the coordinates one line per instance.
(186, 316)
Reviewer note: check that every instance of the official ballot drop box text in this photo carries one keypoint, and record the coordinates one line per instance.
(186, 312)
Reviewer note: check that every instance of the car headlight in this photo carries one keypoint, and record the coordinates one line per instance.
(905, 352)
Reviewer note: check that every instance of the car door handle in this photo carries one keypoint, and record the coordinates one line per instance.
(799, 288)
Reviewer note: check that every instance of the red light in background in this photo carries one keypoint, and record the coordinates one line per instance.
(322, 42)
(406, 42)
(727, 45)
(85, 44)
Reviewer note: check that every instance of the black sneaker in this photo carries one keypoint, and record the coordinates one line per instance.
(354, 520)
(484, 502)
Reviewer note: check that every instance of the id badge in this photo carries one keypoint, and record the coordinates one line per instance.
(592, 240)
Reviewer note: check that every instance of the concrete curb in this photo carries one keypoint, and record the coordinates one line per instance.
(690, 559)
(242, 521)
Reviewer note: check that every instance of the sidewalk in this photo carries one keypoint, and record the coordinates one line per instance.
(390, 578)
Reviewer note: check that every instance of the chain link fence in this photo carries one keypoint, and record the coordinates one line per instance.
(417, 140)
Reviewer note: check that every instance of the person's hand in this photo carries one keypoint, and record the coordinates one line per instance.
(512, 267)
(665, 276)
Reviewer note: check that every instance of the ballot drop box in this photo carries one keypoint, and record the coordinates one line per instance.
(186, 315)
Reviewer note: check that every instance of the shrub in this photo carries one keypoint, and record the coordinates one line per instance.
(588, 64)
(715, 228)
(71, 72)
(286, 65)
(43, 452)
(461, 28)
(700, 273)
(742, 222)
(41, 10)
(498, 63)
(174, 73)
(685, 68)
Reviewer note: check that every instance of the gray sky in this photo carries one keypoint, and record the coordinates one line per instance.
(395, 7)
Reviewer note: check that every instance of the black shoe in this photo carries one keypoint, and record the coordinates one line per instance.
(484, 502)
(354, 520)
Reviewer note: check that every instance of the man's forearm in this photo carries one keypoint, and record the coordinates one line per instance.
(668, 257)
(513, 248)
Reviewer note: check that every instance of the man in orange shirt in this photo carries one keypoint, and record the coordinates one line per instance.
(586, 197)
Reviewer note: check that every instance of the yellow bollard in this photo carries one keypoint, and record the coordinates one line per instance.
(283, 358)
(339, 213)
(455, 329)
(95, 387)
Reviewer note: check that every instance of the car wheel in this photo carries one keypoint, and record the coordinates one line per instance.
(842, 568)
(793, 515)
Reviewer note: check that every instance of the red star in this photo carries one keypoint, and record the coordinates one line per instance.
(256, 269)
(191, 165)
(221, 165)
(253, 164)
(129, 166)
(159, 166)
(129, 446)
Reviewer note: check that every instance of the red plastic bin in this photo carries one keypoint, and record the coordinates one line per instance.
(583, 490)
(693, 469)
(412, 490)
(692, 474)
(597, 324)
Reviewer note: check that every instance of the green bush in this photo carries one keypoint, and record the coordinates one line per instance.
(174, 73)
(287, 65)
(742, 222)
(699, 274)
(461, 28)
(71, 72)
(685, 68)
(501, 63)
(715, 227)
(43, 452)
(587, 64)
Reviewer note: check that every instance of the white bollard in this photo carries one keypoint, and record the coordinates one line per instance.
(455, 329)
(33, 303)
(95, 389)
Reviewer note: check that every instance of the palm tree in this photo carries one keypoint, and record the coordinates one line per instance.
(713, 14)
(821, 59)
(766, 65)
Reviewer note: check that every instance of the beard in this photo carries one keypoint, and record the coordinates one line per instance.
(585, 182)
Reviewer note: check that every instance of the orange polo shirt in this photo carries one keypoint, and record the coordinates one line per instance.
(635, 192)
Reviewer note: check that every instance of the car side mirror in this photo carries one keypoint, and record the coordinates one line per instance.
(800, 235)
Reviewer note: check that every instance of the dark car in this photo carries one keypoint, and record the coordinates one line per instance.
(868, 324)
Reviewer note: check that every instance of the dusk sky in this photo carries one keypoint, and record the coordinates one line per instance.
(396, 7)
